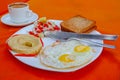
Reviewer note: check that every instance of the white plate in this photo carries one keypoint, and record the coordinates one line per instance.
(35, 62)
(6, 20)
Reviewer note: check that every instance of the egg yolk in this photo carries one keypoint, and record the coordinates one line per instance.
(65, 58)
(81, 48)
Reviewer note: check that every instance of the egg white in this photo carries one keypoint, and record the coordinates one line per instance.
(51, 54)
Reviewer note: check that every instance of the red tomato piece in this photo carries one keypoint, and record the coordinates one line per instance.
(36, 35)
(40, 23)
(31, 33)
(40, 27)
(38, 31)
(41, 42)
(45, 25)
(36, 28)
(49, 23)
(56, 27)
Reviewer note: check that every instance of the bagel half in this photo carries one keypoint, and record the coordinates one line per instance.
(25, 44)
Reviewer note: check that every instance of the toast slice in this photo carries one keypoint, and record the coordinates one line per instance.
(78, 24)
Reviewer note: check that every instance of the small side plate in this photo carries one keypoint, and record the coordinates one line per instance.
(6, 20)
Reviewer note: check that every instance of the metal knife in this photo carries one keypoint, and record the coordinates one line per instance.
(66, 35)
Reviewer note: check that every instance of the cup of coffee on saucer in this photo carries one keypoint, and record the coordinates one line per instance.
(19, 12)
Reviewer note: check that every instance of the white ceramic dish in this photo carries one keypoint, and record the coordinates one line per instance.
(35, 62)
(6, 20)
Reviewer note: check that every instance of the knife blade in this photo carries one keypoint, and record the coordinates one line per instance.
(66, 35)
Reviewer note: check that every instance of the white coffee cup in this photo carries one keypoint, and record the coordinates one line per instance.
(19, 12)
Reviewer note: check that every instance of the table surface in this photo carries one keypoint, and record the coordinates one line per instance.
(106, 13)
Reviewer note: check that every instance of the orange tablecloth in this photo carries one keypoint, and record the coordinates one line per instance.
(107, 15)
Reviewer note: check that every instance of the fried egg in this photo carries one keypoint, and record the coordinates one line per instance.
(66, 54)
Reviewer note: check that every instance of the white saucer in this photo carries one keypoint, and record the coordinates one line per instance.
(6, 20)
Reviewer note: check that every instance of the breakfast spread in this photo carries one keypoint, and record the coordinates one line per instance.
(68, 54)
(78, 24)
(58, 55)
(25, 44)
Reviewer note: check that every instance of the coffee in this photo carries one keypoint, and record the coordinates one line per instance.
(19, 12)
(18, 5)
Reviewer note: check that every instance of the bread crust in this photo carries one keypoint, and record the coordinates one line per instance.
(91, 29)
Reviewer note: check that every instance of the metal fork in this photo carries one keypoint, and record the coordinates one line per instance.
(93, 43)
(90, 42)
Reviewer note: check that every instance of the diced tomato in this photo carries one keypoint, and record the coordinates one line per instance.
(45, 25)
(56, 27)
(35, 28)
(40, 27)
(49, 23)
(40, 23)
(36, 35)
(41, 42)
(31, 33)
(38, 31)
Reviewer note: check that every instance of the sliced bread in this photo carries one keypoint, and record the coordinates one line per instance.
(78, 24)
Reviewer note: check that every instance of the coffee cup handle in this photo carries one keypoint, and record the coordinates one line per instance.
(29, 13)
